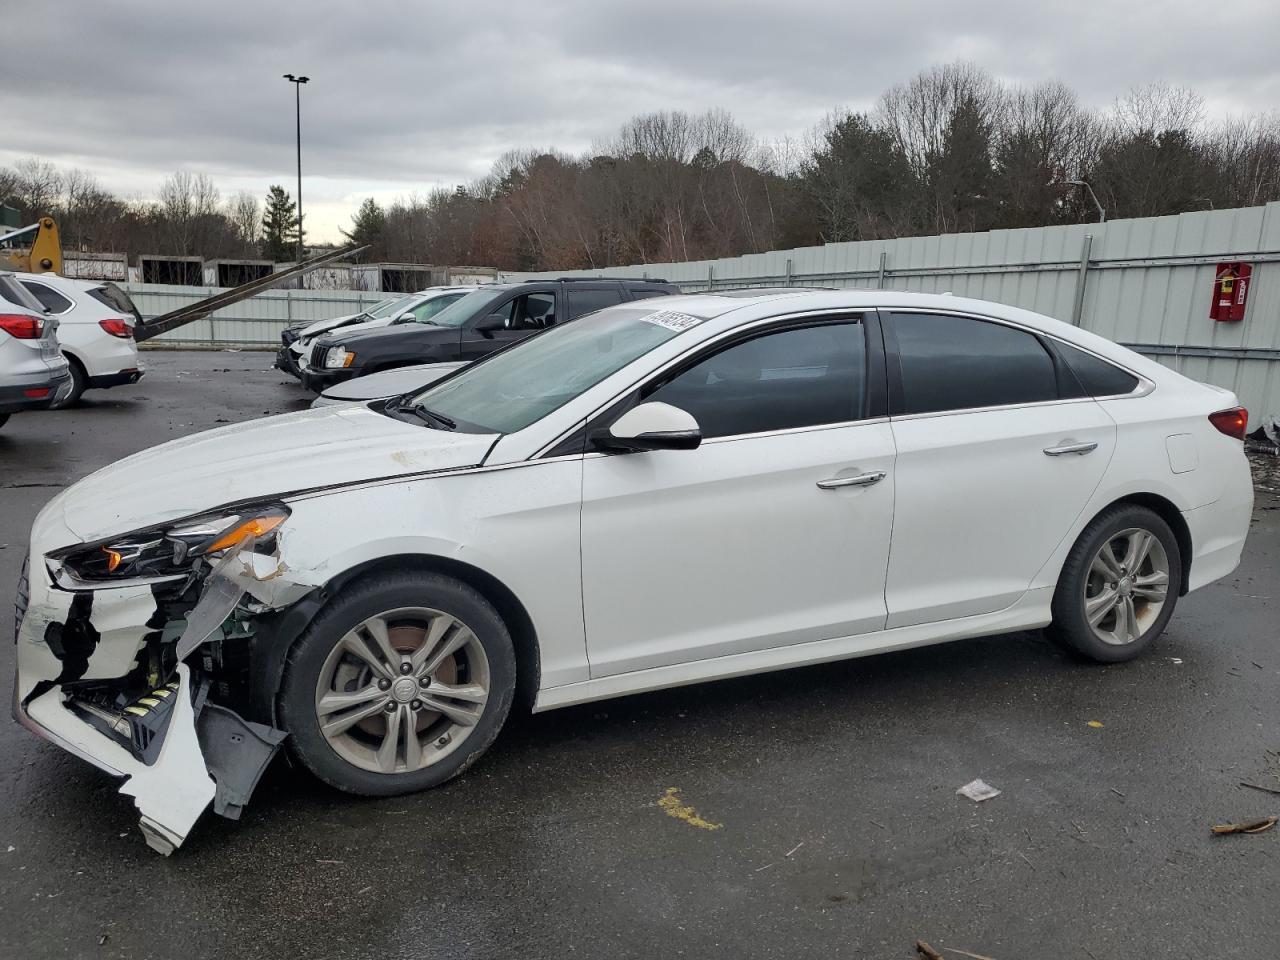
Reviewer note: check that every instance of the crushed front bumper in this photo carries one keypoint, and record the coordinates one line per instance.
(80, 657)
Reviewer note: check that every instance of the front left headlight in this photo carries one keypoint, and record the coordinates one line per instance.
(337, 358)
(171, 550)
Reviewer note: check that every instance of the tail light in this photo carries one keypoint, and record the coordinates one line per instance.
(1232, 422)
(117, 328)
(21, 326)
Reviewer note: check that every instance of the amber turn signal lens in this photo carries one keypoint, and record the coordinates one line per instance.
(255, 528)
(113, 559)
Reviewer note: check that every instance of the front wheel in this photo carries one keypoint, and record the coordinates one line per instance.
(398, 685)
(1118, 586)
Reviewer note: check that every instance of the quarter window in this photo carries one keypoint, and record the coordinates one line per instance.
(958, 363)
(1099, 378)
(802, 377)
(49, 298)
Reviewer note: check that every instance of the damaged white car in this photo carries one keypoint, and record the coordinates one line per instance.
(653, 495)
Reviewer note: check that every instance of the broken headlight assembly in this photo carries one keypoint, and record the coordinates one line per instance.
(173, 549)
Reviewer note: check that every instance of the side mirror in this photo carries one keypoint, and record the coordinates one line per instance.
(651, 426)
(494, 321)
(405, 318)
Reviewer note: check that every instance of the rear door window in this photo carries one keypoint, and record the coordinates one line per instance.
(591, 300)
(958, 363)
(49, 298)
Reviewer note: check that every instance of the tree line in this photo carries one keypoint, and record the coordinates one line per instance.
(952, 149)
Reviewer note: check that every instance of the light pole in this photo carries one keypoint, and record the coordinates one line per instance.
(1102, 213)
(297, 99)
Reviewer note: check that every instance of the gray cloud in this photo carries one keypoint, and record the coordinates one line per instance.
(406, 96)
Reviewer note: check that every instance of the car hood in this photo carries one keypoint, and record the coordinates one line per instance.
(260, 459)
(392, 383)
(305, 342)
(417, 331)
(320, 326)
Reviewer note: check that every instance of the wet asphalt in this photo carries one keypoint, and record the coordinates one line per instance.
(839, 830)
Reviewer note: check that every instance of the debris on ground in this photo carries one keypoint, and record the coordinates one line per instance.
(978, 790)
(1096, 724)
(1246, 826)
(670, 804)
(966, 953)
(925, 950)
(1256, 786)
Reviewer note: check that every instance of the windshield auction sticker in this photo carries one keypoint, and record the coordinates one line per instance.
(672, 320)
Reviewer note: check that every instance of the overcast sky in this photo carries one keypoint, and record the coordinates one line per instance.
(410, 95)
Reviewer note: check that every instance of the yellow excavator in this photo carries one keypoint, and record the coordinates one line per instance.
(33, 249)
(37, 249)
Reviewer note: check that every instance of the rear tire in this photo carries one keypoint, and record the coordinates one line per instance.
(79, 383)
(352, 725)
(1119, 585)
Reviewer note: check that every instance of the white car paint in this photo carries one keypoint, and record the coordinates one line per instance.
(80, 335)
(648, 570)
(386, 383)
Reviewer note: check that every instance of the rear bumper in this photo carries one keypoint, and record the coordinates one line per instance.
(116, 379)
(1218, 531)
(53, 383)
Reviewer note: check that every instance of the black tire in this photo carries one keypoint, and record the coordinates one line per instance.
(4, 418)
(79, 383)
(357, 602)
(1070, 627)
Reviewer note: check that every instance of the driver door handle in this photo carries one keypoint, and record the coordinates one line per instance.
(861, 480)
(1080, 448)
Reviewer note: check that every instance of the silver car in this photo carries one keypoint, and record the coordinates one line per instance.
(33, 372)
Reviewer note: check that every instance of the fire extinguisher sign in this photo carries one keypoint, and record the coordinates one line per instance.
(1230, 291)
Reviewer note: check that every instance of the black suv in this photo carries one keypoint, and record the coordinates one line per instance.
(483, 321)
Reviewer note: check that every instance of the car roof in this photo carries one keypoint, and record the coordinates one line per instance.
(725, 311)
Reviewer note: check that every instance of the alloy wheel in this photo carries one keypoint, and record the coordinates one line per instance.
(1127, 585)
(402, 690)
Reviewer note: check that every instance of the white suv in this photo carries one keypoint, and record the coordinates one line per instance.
(95, 330)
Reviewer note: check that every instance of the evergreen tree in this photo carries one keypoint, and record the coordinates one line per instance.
(279, 226)
(367, 227)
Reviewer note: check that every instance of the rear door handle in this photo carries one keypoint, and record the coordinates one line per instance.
(861, 480)
(1065, 448)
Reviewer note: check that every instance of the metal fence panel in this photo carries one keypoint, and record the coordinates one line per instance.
(1147, 283)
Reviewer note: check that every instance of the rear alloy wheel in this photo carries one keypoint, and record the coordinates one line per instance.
(1127, 586)
(1119, 585)
(398, 685)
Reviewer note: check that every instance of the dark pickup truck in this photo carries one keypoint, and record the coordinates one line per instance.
(483, 321)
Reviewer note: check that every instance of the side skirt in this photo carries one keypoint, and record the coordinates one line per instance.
(1028, 613)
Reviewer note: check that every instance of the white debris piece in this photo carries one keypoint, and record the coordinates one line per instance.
(978, 790)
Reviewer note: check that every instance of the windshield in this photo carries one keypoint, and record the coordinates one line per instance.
(520, 386)
(389, 308)
(426, 312)
(469, 306)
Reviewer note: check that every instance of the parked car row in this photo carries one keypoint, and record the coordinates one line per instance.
(296, 340)
(470, 326)
(60, 337)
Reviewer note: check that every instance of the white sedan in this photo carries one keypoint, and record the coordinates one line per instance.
(657, 494)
